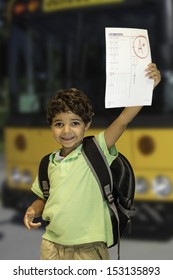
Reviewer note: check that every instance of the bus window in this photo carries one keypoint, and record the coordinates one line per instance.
(67, 49)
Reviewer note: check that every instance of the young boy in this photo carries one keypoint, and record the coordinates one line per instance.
(79, 224)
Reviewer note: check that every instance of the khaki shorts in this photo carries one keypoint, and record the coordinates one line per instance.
(90, 251)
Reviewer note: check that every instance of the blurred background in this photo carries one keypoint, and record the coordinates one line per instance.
(49, 45)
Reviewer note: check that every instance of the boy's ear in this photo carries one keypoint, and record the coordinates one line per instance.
(87, 126)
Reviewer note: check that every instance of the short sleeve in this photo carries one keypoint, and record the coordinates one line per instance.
(36, 188)
(110, 154)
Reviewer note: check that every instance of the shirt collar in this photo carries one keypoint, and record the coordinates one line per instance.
(55, 156)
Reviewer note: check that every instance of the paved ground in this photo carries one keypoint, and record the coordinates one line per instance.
(18, 243)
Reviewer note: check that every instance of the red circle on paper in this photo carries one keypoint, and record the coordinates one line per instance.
(141, 47)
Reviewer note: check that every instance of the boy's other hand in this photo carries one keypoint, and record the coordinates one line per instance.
(28, 219)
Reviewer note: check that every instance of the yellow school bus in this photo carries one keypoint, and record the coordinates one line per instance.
(60, 44)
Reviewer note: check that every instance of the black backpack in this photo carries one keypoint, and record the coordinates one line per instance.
(116, 182)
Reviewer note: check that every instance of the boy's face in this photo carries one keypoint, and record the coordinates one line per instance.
(68, 130)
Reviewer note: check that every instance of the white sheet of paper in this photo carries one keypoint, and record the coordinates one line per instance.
(127, 56)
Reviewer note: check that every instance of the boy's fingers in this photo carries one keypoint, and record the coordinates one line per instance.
(26, 223)
(153, 73)
(28, 219)
(27, 226)
(34, 225)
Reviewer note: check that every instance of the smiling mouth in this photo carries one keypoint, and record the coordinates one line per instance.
(67, 139)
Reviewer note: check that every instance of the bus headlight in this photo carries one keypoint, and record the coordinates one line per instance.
(161, 185)
(26, 177)
(15, 175)
(141, 185)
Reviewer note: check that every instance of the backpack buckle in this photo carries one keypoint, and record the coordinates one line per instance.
(109, 194)
(110, 198)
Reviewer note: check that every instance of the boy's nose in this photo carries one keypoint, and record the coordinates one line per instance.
(66, 129)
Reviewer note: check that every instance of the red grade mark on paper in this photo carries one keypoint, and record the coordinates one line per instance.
(141, 47)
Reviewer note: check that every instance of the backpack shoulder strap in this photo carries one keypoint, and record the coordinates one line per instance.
(98, 164)
(43, 176)
(94, 156)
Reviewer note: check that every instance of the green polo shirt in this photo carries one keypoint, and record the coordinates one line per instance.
(75, 209)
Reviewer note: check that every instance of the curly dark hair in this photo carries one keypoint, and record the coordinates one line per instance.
(72, 100)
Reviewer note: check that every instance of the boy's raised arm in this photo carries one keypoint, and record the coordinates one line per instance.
(114, 131)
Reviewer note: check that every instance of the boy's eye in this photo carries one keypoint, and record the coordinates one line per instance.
(58, 124)
(75, 123)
